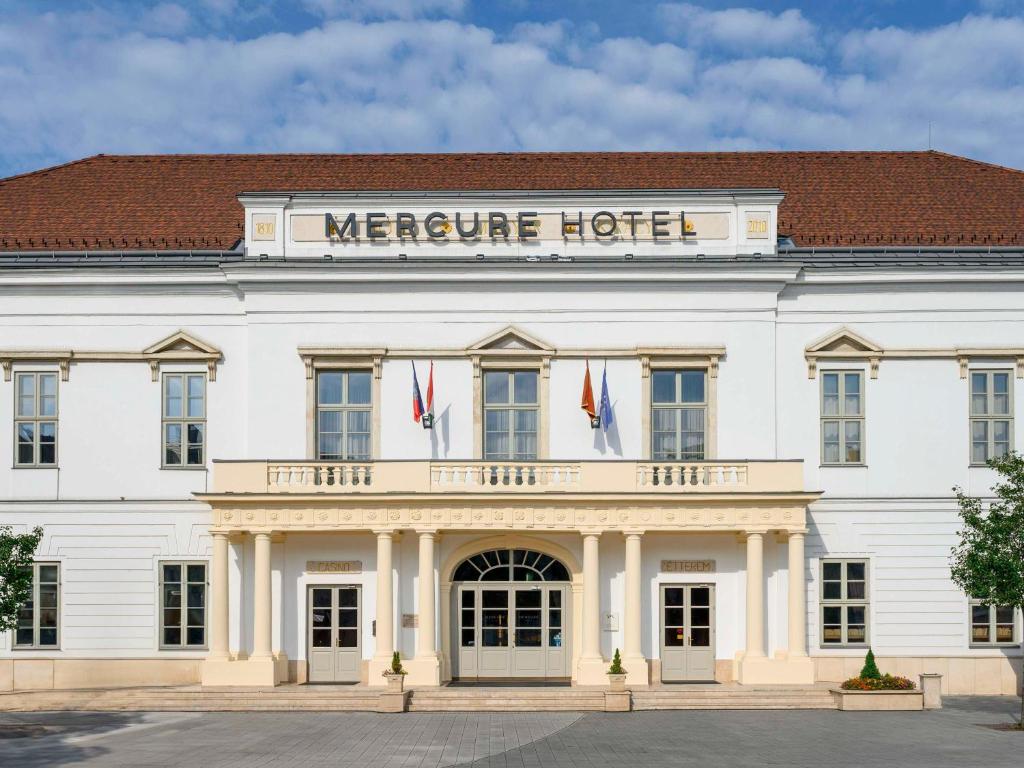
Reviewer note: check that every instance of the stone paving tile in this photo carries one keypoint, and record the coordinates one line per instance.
(956, 736)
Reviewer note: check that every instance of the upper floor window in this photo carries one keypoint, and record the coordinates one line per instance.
(842, 417)
(511, 415)
(991, 415)
(39, 618)
(35, 419)
(844, 602)
(343, 415)
(993, 624)
(184, 420)
(679, 415)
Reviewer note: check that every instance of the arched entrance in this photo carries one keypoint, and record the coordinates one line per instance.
(511, 615)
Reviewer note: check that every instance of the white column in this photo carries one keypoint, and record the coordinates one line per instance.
(426, 645)
(755, 595)
(591, 596)
(219, 606)
(261, 630)
(385, 603)
(797, 597)
(633, 598)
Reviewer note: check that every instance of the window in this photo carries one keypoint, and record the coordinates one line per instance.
(182, 605)
(39, 618)
(343, 415)
(35, 419)
(844, 602)
(842, 417)
(991, 415)
(992, 624)
(511, 415)
(184, 420)
(679, 406)
(511, 565)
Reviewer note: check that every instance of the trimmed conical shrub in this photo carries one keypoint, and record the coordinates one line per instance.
(870, 669)
(616, 667)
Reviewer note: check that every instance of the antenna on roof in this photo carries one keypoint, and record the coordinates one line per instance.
(929, 135)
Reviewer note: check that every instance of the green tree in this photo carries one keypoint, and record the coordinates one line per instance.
(16, 553)
(616, 667)
(988, 561)
(870, 669)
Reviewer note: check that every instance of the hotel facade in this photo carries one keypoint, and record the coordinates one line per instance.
(207, 402)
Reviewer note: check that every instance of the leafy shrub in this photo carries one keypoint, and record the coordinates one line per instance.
(870, 670)
(396, 666)
(880, 683)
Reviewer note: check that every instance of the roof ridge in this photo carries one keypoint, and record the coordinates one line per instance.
(982, 163)
(51, 168)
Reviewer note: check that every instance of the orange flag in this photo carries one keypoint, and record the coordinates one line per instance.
(587, 403)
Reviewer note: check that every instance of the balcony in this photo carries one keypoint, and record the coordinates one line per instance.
(499, 477)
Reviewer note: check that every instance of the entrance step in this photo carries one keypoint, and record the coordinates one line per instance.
(733, 697)
(506, 699)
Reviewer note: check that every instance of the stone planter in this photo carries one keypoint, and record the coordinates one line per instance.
(395, 682)
(931, 689)
(878, 701)
(616, 683)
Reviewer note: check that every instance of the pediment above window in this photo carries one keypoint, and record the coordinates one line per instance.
(843, 344)
(181, 342)
(512, 339)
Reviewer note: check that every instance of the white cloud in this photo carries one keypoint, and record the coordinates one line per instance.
(85, 84)
(744, 29)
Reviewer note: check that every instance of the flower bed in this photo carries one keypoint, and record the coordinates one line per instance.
(882, 683)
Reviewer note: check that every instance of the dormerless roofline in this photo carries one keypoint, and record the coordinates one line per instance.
(529, 193)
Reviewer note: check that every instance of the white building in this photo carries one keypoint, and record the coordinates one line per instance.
(207, 391)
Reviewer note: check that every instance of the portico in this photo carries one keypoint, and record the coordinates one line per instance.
(548, 544)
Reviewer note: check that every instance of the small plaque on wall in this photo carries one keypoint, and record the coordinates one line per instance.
(410, 621)
(688, 566)
(334, 566)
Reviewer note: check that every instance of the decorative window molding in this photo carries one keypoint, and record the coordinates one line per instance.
(846, 345)
(704, 359)
(316, 359)
(179, 347)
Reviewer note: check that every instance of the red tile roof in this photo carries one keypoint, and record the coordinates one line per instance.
(171, 202)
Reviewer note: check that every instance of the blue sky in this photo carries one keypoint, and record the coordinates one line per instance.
(79, 77)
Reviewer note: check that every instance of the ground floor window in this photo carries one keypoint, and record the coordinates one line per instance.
(39, 618)
(992, 624)
(844, 602)
(182, 605)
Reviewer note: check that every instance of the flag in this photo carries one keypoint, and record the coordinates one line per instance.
(605, 410)
(587, 403)
(417, 400)
(428, 415)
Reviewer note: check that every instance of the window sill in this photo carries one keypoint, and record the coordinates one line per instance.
(183, 649)
(844, 646)
(843, 466)
(35, 466)
(989, 646)
(34, 648)
(197, 468)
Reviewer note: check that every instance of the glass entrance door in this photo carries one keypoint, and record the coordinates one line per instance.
(687, 632)
(333, 635)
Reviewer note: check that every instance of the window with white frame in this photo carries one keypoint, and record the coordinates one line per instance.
(993, 624)
(679, 415)
(842, 417)
(39, 618)
(184, 420)
(35, 419)
(844, 602)
(991, 415)
(182, 605)
(511, 415)
(343, 415)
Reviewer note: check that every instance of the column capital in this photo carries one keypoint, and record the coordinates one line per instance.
(427, 532)
(388, 533)
(595, 533)
(633, 532)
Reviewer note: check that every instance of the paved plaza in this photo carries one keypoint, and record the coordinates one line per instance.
(963, 734)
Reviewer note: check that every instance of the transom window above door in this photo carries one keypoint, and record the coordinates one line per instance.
(511, 565)
(511, 415)
(343, 415)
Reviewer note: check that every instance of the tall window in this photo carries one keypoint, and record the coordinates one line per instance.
(182, 605)
(511, 415)
(842, 417)
(992, 624)
(39, 618)
(991, 415)
(844, 602)
(679, 406)
(343, 417)
(184, 420)
(35, 419)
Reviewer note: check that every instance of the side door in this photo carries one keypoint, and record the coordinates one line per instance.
(687, 632)
(334, 643)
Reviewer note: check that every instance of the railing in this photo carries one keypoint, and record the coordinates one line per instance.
(474, 477)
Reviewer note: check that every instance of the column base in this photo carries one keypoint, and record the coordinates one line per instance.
(592, 672)
(423, 670)
(760, 670)
(261, 672)
(637, 671)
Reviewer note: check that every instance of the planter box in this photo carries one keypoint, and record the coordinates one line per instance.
(878, 701)
(395, 682)
(617, 683)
